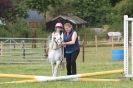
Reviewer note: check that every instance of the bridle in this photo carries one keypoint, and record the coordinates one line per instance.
(57, 42)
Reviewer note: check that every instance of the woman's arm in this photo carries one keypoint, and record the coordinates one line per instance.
(74, 37)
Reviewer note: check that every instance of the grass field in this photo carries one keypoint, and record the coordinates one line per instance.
(100, 61)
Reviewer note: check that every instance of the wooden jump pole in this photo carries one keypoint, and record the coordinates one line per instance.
(18, 76)
(98, 80)
(21, 81)
(101, 73)
(47, 78)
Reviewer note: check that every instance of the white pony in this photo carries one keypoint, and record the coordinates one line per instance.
(115, 35)
(56, 52)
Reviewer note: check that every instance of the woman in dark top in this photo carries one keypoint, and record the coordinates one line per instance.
(72, 48)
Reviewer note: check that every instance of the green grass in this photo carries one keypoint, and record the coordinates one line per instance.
(100, 61)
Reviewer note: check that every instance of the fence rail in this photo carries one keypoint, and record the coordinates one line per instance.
(23, 49)
(26, 49)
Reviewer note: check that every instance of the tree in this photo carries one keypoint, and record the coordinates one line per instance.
(7, 10)
(114, 2)
(21, 8)
(65, 7)
(11, 9)
(42, 5)
(124, 7)
(95, 12)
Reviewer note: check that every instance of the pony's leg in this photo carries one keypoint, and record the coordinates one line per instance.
(52, 66)
(56, 68)
(61, 67)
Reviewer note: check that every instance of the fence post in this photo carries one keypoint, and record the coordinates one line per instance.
(79, 40)
(85, 40)
(1, 48)
(23, 48)
(83, 51)
(112, 42)
(34, 40)
(96, 43)
(45, 48)
(14, 45)
(34, 43)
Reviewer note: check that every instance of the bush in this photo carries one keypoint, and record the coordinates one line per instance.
(18, 29)
(21, 29)
(4, 32)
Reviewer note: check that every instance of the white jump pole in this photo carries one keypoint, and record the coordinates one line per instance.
(81, 80)
(46, 78)
(78, 76)
(132, 45)
(126, 48)
(125, 45)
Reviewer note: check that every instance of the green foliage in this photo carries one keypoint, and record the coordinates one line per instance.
(124, 7)
(11, 9)
(21, 8)
(21, 29)
(116, 23)
(95, 12)
(114, 2)
(42, 33)
(65, 7)
(4, 32)
(40, 5)
(7, 9)
(18, 29)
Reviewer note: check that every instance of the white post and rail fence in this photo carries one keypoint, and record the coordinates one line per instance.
(22, 50)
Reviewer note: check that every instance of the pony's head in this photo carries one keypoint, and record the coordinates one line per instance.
(58, 40)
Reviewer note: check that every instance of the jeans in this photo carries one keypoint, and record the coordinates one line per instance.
(71, 62)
